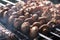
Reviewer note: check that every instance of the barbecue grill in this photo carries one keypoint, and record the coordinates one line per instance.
(17, 35)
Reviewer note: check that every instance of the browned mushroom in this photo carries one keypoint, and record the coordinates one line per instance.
(27, 15)
(29, 20)
(36, 24)
(44, 29)
(42, 20)
(34, 17)
(25, 27)
(34, 32)
(17, 23)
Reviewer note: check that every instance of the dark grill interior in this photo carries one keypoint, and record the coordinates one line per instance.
(17, 34)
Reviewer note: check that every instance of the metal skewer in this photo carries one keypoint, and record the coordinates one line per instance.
(45, 36)
(9, 2)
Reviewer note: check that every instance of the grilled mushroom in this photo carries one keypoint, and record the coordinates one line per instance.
(34, 32)
(44, 29)
(25, 27)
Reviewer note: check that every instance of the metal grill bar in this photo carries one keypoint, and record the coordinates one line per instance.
(44, 36)
(17, 37)
(14, 1)
(23, 35)
(18, 0)
(18, 32)
(9, 2)
(2, 4)
(55, 34)
(57, 29)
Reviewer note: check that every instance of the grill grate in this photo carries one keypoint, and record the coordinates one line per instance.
(4, 2)
(18, 34)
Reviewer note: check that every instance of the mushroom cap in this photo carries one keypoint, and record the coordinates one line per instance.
(33, 32)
